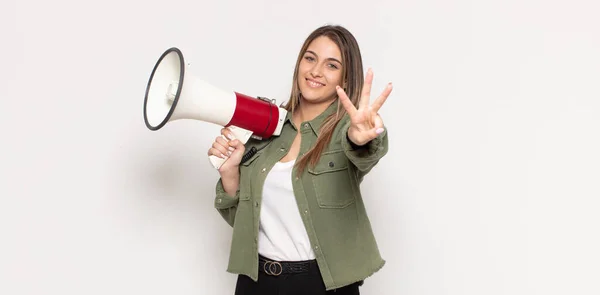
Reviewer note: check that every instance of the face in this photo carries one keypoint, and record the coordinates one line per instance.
(320, 71)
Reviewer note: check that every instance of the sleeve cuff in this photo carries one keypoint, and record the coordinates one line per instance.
(224, 200)
(371, 149)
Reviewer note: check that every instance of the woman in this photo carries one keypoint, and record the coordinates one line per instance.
(298, 217)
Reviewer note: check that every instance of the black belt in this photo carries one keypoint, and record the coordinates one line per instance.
(276, 268)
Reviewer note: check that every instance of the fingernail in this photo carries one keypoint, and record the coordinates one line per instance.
(229, 153)
(378, 131)
(231, 149)
(223, 156)
(230, 136)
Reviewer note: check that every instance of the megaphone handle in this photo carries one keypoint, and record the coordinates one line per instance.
(238, 133)
(216, 161)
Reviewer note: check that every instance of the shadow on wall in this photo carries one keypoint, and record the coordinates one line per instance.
(162, 189)
(166, 174)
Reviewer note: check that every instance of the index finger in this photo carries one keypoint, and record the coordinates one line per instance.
(227, 133)
(346, 102)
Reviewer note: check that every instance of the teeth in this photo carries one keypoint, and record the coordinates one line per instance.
(314, 84)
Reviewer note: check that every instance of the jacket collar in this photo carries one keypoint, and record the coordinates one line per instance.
(315, 124)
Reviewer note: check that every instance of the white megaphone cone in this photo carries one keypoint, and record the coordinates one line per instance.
(173, 94)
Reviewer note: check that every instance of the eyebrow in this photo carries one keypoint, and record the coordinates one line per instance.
(331, 58)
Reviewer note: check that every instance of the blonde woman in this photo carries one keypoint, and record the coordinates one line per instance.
(299, 222)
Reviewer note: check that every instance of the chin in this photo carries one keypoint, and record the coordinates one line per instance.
(317, 99)
(310, 94)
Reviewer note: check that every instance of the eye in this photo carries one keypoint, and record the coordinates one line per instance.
(309, 58)
(333, 66)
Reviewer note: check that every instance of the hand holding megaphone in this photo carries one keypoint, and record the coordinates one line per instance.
(227, 147)
(173, 94)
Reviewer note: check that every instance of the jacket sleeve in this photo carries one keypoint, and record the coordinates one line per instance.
(225, 204)
(367, 156)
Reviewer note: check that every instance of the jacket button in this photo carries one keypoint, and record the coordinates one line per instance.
(219, 201)
(263, 170)
(331, 164)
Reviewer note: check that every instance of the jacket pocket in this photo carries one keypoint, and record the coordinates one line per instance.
(332, 181)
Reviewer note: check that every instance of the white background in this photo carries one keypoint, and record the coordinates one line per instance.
(491, 185)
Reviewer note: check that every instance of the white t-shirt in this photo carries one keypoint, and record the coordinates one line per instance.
(282, 235)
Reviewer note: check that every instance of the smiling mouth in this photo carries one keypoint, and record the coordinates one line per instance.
(312, 83)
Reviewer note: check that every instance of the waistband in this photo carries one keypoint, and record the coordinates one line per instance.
(276, 268)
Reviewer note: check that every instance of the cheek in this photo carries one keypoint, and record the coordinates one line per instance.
(335, 78)
(303, 67)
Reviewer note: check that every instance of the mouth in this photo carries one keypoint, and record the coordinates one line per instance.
(313, 83)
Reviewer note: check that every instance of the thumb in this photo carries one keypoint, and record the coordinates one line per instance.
(378, 128)
(237, 145)
(376, 131)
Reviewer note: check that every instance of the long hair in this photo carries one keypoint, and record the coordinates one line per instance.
(352, 76)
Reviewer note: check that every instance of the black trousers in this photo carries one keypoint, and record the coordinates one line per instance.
(306, 283)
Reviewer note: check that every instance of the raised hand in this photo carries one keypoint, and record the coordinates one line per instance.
(366, 124)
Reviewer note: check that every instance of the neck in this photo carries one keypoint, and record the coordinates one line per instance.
(308, 111)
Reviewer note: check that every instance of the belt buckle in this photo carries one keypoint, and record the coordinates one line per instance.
(271, 268)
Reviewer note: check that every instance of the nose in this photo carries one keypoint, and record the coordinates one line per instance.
(316, 71)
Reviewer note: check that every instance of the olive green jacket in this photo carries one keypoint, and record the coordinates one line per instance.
(328, 197)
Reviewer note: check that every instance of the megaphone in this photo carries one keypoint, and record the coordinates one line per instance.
(173, 94)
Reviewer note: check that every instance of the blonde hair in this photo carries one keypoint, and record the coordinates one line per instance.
(352, 75)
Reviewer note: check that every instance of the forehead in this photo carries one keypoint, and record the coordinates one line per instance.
(324, 48)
